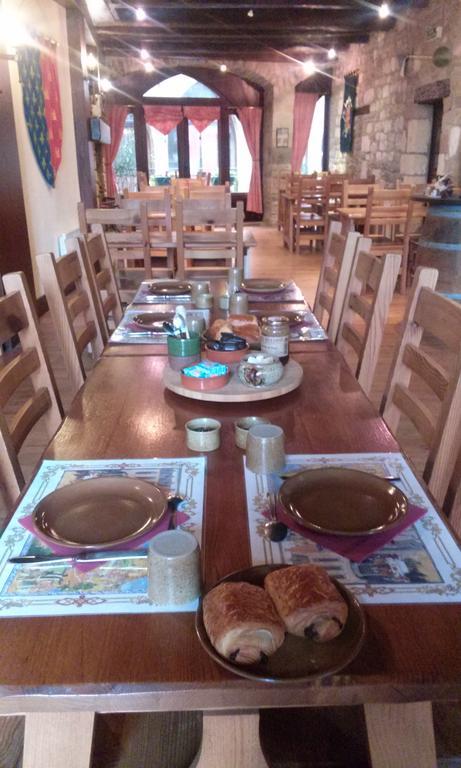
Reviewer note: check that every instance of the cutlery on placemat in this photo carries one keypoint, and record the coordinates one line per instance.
(79, 557)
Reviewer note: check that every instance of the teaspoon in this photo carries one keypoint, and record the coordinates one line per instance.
(274, 530)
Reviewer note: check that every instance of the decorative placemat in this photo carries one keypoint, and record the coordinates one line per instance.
(291, 294)
(129, 332)
(420, 565)
(144, 296)
(115, 586)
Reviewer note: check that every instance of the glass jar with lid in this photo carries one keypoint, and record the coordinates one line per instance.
(275, 336)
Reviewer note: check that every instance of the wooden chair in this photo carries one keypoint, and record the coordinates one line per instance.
(385, 222)
(355, 194)
(366, 306)
(125, 240)
(335, 272)
(215, 192)
(147, 193)
(220, 238)
(72, 308)
(310, 212)
(158, 235)
(30, 363)
(94, 254)
(437, 366)
(142, 180)
(416, 214)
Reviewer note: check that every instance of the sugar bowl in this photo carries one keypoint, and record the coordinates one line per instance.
(260, 370)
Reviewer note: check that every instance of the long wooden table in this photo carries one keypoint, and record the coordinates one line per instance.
(61, 671)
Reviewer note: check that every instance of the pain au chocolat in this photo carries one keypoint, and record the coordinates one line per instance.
(307, 601)
(241, 622)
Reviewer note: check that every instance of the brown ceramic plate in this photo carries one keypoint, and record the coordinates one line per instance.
(298, 659)
(263, 285)
(170, 288)
(153, 321)
(344, 502)
(100, 512)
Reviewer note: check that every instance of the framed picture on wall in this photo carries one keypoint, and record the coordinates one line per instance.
(281, 137)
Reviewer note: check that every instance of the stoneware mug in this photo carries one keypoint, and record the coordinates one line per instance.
(242, 427)
(265, 451)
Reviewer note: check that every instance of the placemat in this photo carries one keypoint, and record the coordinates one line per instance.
(420, 565)
(128, 332)
(115, 586)
(144, 296)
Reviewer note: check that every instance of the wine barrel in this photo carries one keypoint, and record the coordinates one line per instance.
(440, 243)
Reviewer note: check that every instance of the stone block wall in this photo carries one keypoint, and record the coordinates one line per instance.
(393, 140)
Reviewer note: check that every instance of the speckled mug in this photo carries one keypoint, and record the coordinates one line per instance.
(265, 451)
(174, 568)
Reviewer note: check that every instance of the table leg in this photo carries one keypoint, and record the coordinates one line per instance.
(401, 735)
(57, 739)
(230, 741)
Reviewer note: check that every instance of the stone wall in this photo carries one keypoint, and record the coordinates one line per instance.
(393, 140)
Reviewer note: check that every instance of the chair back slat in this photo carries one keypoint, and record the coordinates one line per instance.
(30, 364)
(94, 254)
(440, 317)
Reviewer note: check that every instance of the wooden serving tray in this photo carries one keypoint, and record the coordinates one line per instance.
(234, 391)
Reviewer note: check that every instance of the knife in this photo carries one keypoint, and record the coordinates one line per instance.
(79, 557)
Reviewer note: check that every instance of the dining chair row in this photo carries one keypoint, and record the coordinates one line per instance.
(353, 298)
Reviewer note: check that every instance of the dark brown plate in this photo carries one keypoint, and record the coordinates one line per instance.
(153, 321)
(100, 512)
(170, 288)
(263, 285)
(298, 659)
(344, 502)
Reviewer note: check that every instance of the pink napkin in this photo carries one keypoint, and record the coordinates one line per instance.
(58, 549)
(355, 548)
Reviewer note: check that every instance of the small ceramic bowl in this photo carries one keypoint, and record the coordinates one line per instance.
(203, 434)
(226, 357)
(207, 383)
(259, 370)
(242, 426)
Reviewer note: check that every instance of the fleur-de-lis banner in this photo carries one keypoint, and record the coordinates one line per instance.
(42, 106)
(347, 114)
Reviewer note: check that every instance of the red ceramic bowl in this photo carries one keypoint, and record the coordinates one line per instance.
(204, 385)
(227, 358)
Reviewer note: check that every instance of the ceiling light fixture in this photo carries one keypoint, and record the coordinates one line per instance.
(12, 32)
(223, 67)
(331, 53)
(309, 67)
(148, 66)
(251, 13)
(384, 11)
(141, 15)
(91, 62)
(144, 54)
(105, 85)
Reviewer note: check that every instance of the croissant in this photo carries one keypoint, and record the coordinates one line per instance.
(307, 601)
(241, 622)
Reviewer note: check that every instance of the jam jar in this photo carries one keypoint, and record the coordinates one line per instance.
(275, 336)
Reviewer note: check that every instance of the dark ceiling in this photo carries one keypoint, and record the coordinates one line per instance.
(220, 29)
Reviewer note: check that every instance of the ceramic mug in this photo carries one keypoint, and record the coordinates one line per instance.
(174, 568)
(242, 427)
(265, 451)
(204, 301)
(203, 434)
(199, 287)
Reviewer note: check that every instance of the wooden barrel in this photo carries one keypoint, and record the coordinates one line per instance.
(440, 243)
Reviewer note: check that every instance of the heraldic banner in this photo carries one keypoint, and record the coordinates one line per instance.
(347, 114)
(42, 106)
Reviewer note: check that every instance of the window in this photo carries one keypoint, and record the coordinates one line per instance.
(180, 87)
(313, 159)
(240, 159)
(203, 151)
(162, 155)
(125, 160)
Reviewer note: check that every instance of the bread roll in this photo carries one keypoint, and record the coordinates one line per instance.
(245, 326)
(307, 601)
(241, 622)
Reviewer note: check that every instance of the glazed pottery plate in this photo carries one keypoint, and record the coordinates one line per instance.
(153, 321)
(100, 512)
(263, 285)
(298, 659)
(170, 288)
(344, 502)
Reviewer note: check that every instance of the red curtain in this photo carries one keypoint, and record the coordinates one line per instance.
(251, 118)
(164, 119)
(302, 121)
(116, 117)
(201, 117)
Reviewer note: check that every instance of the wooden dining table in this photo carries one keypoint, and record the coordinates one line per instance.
(60, 671)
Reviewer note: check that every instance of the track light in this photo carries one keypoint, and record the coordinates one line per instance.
(309, 67)
(141, 15)
(223, 67)
(384, 11)
(148, 66)
(105, 85)
(144, 53)
(331, 54)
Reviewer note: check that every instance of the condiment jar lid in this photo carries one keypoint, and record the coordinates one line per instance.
(174, 544)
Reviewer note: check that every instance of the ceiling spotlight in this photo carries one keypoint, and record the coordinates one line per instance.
(223, 67)
(331, 54)
(141, 15)
(250, 13)
(384, 11)
(144, 53)
(148, 66)
(91, 62)
(309, 67)
(105, 85)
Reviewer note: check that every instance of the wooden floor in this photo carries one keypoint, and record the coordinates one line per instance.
(311, 738)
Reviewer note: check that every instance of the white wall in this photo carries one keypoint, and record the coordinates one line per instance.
(49, 211)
